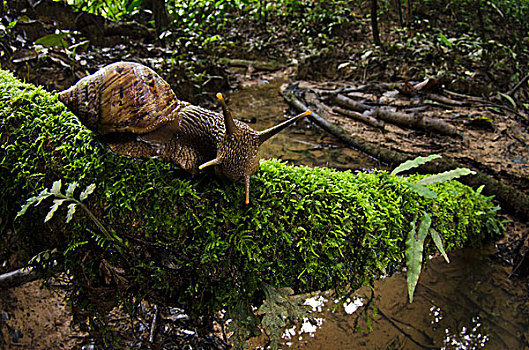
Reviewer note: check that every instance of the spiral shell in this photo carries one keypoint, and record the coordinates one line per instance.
(123, 97)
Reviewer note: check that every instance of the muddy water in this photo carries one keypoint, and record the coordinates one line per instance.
(301, 144)
(467, 304)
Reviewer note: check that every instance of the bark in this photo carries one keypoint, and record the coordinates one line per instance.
(446, 101)
(259, 65)
(398, 7)
(481, 23)
(159, 13)
(408, 14)
(360, 117)
(345, 101)
(416, 121)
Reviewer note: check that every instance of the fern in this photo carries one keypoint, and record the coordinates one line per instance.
(446, 176)
(414, 163)
(244, 324)
(67, 197)
(414, 249)
(278, 307)
(422, 191)
(438, 243)
(415, 240)
(72, 247)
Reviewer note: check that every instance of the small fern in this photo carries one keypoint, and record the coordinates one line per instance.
(278, 307)
(67, 197)
(72, 247)
(414, 163)
(244, 324)
(414, 250)
(415, 240)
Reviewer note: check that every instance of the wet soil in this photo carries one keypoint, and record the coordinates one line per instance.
(303, 144)
(37, 317)
(489, 138)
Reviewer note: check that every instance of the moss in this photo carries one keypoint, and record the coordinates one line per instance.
(192, 240)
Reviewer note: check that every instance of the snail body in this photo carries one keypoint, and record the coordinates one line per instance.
(142, 117)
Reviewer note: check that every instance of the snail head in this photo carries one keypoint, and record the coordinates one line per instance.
(237, 157)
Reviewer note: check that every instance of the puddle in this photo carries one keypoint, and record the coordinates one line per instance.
(467, 304)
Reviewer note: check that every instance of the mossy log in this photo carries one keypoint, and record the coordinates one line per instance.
(191, 240)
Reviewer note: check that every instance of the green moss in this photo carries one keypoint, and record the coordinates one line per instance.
(191, 239)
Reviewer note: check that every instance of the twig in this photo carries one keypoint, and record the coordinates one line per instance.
(220, 321)
(466, 97)
(153, 324)
(515, 269)
(406, 334)
(447, 101)
(508, 109)
(518, 86)
(17, 277)
(519, 244)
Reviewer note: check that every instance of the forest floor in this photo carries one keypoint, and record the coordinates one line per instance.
(492, 126)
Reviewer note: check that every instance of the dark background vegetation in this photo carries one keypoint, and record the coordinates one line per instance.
(483, 45)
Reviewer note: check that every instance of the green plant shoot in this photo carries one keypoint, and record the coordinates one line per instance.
(61, 198)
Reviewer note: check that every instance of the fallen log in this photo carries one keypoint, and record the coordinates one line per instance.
(259, 65)
(360, 117)
(345, 101)
(416, 121)
(369, 148)
(512, 200)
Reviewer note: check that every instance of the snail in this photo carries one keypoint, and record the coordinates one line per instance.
(143, 118)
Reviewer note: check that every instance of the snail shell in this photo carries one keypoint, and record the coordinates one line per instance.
(142, 117)
(123, 97)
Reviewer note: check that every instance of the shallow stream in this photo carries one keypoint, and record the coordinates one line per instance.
(467, 304)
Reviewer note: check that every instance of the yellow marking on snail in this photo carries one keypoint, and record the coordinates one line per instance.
(211, 162)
